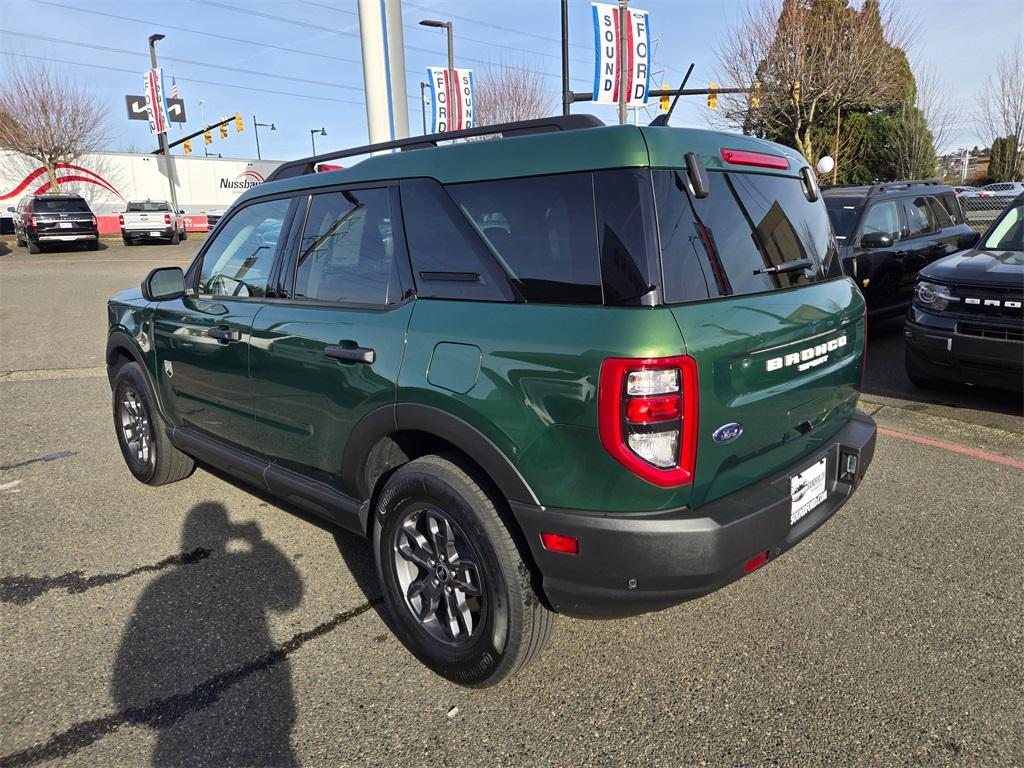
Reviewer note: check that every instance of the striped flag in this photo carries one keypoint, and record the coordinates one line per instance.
(174, 89)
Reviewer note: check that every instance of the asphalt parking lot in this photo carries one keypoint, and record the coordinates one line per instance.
(199, 624)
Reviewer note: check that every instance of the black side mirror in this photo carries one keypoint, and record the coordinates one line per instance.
(876, 240)
(164, 284)
(182, 211)
(967, 240)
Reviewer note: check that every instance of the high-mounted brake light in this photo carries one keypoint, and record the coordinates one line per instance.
(757, 159)
(647, 416)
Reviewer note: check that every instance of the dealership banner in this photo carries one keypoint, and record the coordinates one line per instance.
(156, 102)
(607, 53)
(451, 95)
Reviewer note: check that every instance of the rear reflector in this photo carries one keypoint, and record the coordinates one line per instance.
(757, 159)
(556, 542)
(755, 562)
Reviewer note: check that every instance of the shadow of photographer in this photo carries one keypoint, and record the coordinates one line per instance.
(199, 639)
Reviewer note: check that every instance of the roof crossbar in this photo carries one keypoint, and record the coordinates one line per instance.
(886, 186)
(307, 165)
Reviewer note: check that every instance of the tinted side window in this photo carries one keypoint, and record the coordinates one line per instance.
(238, 261)
(449, 259)
(542, 231)
(884, 218)
(952, 206)
(920, 219)
(941, 214)
(347, 251)
(626, 235)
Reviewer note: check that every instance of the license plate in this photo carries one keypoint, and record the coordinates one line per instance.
(64, 225)
(154, 234)
(807, 490)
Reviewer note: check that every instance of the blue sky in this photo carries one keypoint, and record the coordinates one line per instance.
(296, 63)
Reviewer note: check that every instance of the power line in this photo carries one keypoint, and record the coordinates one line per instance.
(186, 79)
(177, 60)
(164, 25)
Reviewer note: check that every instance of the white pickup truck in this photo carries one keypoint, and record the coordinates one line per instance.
(152, 220)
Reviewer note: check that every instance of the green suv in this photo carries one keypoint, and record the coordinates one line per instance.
(574, 369)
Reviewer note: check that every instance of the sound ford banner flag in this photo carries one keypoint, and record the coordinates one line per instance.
(607, 50)
(156, 104)
(451, 94)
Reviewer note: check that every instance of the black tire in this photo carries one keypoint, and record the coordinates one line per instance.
(918, 379)
(34, 247)
(159, 462)
(92, 245)
(509, 624)
(184, 234)
(175, 238)
(127, 240)
(19, 242)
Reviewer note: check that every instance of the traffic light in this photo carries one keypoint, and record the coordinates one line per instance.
(239, 125)
(207, 138)
(713, 96)
(187, 146)
(755, 95)
(796, 91)
(663, 103)
(223, 130)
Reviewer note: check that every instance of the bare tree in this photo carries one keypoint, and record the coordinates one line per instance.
(814, 60)
(506, 93)
(1001, 106)
(48, 117)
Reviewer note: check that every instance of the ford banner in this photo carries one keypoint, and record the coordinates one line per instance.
(607, 52)
(451, 97)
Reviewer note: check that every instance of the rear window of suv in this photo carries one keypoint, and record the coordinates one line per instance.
(147, 207)
(721, 245)
(60, 205)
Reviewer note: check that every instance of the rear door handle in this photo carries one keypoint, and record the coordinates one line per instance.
(224, 334)
(351, 354)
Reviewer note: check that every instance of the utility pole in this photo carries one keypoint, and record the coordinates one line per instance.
(423, 105)
(256, 127)
(624, 76)
(163, 136)
(566, 90)
(383, 46)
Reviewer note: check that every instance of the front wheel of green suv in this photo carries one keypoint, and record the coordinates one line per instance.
(456, 588)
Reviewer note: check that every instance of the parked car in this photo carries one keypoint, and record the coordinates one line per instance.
(212, 217)
(580, 369)
(888, 232)
(152, 220)
(1002, 189)
(54, 219)
(967, 322)
(966, 191)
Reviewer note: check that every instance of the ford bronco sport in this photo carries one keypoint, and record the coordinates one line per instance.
(575, 369)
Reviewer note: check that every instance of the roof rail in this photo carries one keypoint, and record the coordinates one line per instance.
(890, 185)
(542, 125)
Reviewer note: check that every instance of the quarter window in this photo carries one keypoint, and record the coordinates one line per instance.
(238, 261)
(941, 214)
(347, 253)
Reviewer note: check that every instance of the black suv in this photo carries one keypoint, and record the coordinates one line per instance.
(54, 219)
(888, 232)
(967, 323)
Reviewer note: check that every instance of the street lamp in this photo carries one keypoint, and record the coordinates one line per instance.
(449, 27)
(153, 40)
(312, 136)
(423, 105)
(256, 127)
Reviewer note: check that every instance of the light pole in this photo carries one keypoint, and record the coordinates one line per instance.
(312, 136)
(163, 136)
(449, 27)
(256, 127)
(423, 105)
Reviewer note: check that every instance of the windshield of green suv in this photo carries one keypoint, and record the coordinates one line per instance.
(1008, 232)
(746, 236)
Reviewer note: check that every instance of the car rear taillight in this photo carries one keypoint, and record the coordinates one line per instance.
(757, 159)
(167, 218)
(28, 220)
(120, 219)
(647, 416)
(93, 216)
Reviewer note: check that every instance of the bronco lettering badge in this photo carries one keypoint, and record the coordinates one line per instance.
(806, 358)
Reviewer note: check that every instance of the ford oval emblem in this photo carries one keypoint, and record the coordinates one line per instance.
(727, 433)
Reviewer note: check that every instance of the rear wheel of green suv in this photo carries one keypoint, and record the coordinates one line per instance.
(457, 590)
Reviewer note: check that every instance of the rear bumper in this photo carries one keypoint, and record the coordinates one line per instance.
(63, 237)
(144, 234)
(936, 348)
(632, 564)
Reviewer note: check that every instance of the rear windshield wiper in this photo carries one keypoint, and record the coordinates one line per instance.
(788, 266)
